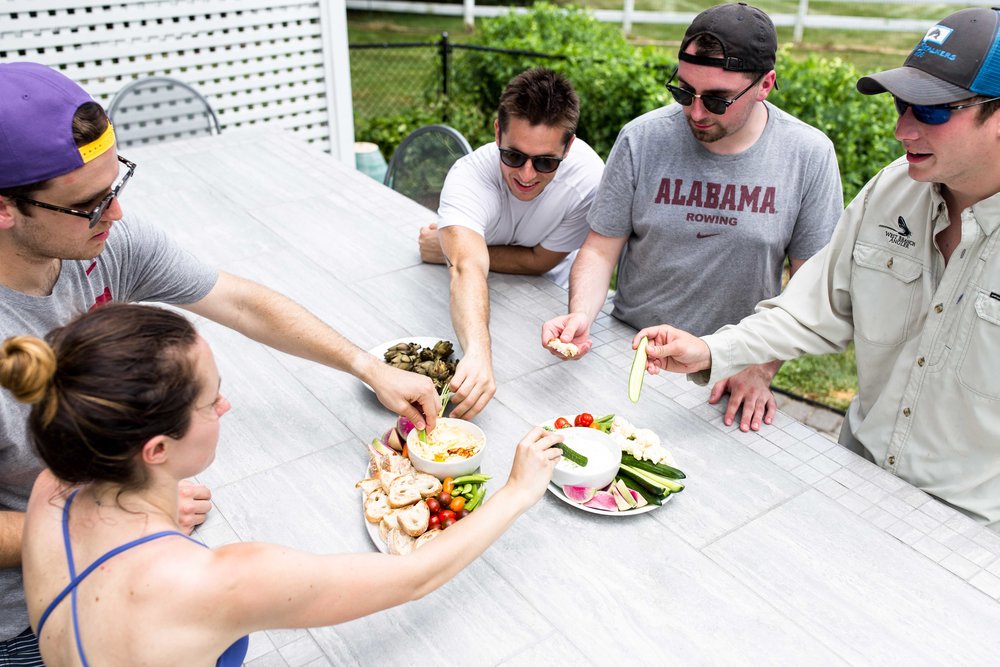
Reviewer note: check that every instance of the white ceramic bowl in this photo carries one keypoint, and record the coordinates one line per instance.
(455, 468)
(603, 454)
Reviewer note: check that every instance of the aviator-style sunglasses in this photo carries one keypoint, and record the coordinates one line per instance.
(934, 114)
(543, 164)
(713, 103)
(97, 213)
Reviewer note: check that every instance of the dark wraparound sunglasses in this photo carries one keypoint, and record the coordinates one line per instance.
(97, 213)
(712, 103)
(934, 114)
(543, 164)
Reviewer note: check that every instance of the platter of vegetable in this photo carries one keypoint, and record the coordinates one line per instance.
(646, 479)
(458, 497)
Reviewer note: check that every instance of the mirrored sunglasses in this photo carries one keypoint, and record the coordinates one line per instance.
(543, 164)
(934, 114)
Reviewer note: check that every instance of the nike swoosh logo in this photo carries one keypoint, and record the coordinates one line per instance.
(702, 235)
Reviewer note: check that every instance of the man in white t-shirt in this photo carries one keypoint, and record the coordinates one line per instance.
(515, 206)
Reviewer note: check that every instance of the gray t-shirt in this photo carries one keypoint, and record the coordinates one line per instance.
(708, 234)
(138, 263)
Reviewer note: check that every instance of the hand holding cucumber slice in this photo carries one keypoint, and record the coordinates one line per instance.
(638, 371)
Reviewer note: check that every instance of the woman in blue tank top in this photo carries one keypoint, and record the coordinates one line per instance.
(125, 405)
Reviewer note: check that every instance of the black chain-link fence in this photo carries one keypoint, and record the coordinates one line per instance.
(396, 84)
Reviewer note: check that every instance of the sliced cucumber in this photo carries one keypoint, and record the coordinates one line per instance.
(638, 371)
(572, 455)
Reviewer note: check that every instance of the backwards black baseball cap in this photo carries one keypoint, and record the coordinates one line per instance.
(957, 58)
(747, 35)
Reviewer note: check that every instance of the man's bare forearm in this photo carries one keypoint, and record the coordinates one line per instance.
(523, 260)
(11, 532)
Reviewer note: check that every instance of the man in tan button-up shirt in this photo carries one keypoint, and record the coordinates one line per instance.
(912, 276)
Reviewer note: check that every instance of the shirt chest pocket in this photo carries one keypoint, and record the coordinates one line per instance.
(976, 372)
(884, 294)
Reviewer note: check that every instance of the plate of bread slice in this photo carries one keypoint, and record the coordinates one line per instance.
(393, 500)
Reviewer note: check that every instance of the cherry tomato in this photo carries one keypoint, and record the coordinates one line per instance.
(597, 426)
(461, 515)
(457, 504)
(448, 485)
(446, 515)
(562, 423)
(444, 499)
(447, 522)
(433, 505)
(433, 522)
(585, 419)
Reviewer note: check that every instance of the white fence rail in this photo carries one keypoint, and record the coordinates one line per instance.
(628, 15)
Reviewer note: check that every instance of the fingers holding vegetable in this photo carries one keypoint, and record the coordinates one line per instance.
(407, 394)
(534, 459)
(673, 350)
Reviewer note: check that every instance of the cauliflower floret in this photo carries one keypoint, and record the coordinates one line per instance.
(622, 426)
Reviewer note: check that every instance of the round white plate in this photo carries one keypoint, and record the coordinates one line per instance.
(555, 489)
(373, 530)
(422, 341)
(558, 493)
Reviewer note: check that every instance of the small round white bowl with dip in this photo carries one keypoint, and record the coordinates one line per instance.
(433, 457)
(603, 458)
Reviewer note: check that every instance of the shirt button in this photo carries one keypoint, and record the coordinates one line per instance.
(889, 263)
(920, 361)
(892, 460)
(938, 308)
(906, 412)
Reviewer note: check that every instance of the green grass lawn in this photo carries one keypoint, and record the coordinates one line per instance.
(403, 74)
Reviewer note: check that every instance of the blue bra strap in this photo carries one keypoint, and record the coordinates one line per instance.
(75, 579)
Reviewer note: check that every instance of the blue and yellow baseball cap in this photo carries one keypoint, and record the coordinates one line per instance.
(36, 125)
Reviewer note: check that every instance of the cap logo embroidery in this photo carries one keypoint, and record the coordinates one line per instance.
(938, 34)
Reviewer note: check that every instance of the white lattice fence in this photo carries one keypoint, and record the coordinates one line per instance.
(275, 62)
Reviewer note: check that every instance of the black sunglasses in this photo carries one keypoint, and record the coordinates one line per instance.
(713, 103)
(543, 164)
(96, 214)
(934, 114)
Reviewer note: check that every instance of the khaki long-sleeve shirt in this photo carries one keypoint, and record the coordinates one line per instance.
(927, 336)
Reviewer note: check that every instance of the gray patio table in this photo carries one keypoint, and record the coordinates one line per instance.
(784, 548)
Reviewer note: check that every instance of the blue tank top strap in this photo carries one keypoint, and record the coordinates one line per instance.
(76, 579)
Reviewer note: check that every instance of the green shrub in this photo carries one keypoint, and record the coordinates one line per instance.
(615, 80)
(822, 92)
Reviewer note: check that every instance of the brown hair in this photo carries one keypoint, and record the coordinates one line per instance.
(102, 386)
(986, 110)
(541, 97)
(89, 123)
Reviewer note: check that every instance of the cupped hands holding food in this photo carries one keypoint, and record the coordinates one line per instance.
(567, 336)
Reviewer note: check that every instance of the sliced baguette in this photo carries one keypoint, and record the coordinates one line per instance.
(426, 537)
(368, 485)
(404, 490)
(399, 542)
(428, 485)
(413, 519)
(376, 506)
(388, 522)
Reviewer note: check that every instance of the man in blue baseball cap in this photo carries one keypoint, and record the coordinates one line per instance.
(66, 247)
(912, 276)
